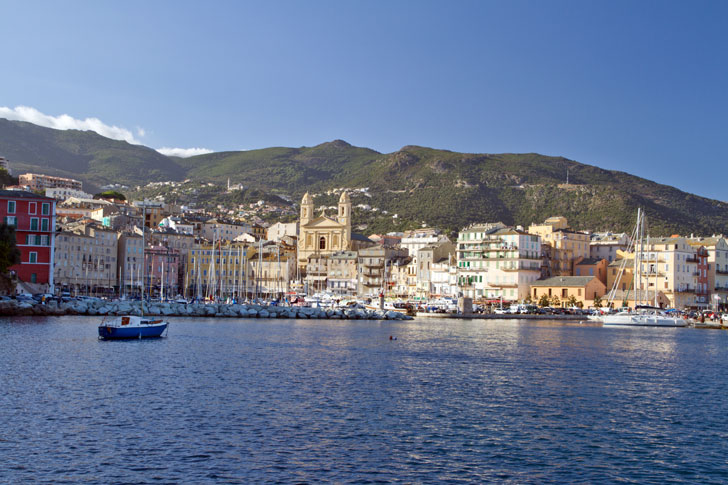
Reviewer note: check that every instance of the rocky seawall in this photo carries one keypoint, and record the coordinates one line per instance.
(220, 310)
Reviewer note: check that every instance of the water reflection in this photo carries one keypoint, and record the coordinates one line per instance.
(306, 400)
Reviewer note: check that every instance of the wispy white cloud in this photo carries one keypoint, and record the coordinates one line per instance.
(183, 152)
(66, 122)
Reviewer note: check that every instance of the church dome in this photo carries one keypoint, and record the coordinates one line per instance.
(307, 199)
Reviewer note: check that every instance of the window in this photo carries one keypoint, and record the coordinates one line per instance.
(33, 223)
(44, 224)
(32, 208)
(44, 240)
(46, 209)
(322, 243)
(11, 221)
(11, 207)
(33, 257)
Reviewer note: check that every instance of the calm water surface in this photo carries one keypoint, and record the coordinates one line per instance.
(239, 401)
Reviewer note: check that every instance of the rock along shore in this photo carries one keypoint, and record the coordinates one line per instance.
(219, 310)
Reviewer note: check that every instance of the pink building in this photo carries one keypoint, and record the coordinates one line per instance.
(162, 271)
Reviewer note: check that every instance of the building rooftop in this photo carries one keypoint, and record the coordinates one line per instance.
(576, 281)
(23, 194)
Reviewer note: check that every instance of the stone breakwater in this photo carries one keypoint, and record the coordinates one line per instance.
(220, 310)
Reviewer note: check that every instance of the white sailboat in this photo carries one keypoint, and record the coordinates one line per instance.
(644, 315)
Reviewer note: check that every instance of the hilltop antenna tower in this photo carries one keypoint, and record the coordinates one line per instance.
(567, 175)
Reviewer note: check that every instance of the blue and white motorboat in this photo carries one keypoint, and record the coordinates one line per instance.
(132, 327)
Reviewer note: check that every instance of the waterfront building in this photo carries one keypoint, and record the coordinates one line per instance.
(604, 245)
(717, 270)
(129, 262)
(317, 270)
(374, 267)
(564, 291)
(669, 264)
(85, 260)
(323, 235)
(271, 274)
(219, 271)
(342, 273)
(161, 275)
(426, 257)
(34, 219)
(444, 277)
(563, 246)
(36, 181)
(495, 263)
(403, 280)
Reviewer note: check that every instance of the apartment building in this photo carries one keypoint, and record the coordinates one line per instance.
(37, 181)
(494, 263)
(562, 245)
(85, 259)
(33, 217)
(604, 245)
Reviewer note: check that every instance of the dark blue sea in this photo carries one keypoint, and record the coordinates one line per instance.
(241, 401)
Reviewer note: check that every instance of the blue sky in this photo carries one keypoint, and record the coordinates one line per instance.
(638, 86)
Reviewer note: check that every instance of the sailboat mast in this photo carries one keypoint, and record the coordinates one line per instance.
(144, 263)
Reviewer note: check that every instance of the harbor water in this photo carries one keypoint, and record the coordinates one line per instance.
(253, 400)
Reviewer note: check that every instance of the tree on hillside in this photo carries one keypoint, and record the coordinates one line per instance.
(6, 178)
(9, 256)
(110, 194)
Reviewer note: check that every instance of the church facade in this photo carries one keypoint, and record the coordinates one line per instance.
(323, 235)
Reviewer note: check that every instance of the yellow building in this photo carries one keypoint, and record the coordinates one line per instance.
(564, 245)
(323, 235)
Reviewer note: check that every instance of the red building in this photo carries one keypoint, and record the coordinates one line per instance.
(34, 218)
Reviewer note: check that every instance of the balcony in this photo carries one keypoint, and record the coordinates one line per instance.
(721, 271)
(686, 290)
(691, 260)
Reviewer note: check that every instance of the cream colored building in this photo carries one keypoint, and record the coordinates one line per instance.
(323, 235)
(84, 261)
(495, 262)
(669, 265)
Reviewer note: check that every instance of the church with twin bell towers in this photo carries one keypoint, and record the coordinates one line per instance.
(323, 235)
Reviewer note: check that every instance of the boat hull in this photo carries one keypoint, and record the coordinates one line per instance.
(132, 332)
(642, 321)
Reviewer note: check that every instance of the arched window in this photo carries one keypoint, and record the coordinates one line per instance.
(322, 242)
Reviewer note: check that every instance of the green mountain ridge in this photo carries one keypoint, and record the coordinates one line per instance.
(421, 185)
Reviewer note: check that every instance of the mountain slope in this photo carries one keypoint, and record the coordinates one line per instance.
(84, 155)
(419, 184)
